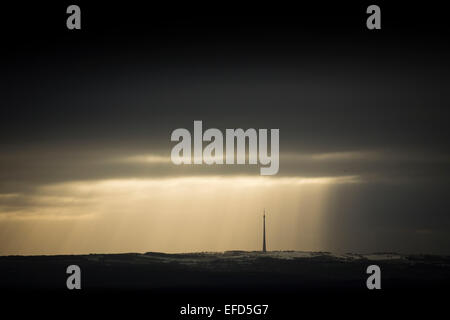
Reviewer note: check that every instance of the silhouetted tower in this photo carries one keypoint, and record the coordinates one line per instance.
(264, 231)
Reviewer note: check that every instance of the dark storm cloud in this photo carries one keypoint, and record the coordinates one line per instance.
(319, 104)
(23, 172)
(67, 121)
(375, 108)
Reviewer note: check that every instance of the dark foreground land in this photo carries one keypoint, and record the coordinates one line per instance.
(292, 283)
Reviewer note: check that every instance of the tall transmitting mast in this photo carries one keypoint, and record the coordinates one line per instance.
(264, 232)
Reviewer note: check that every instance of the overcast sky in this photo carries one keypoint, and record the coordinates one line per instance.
(85, 133)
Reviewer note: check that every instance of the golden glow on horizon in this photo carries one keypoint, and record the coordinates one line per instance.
(178, 214)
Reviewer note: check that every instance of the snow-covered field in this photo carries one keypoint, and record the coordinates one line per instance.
(248, 257)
